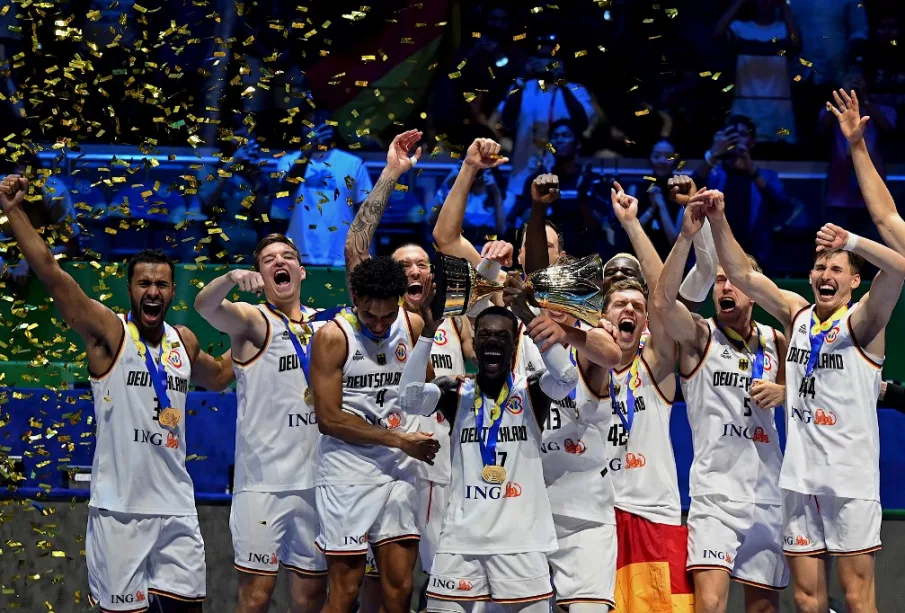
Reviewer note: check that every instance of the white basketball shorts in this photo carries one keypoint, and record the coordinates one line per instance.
(742, 538)
(828, 524)
(269, 529)
(352, 516)
(502, 578)
(584, 566)
(129, 556)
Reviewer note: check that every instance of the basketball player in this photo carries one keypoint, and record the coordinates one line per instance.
(732, 379)
(830, 474)
(274, 516)
(498, 525)
(357, 360)
(140, 368)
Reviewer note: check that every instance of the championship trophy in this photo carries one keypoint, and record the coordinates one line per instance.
(573, 288)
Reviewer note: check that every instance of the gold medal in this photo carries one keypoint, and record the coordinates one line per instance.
(309, 397)
(493, 474)
(169, 417)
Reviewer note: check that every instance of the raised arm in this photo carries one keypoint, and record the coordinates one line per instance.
(238, 319)
(361, 232)
(483, 153)
(626, 209)
(544, 191)
(874, 310)
(780, 304)
(95, 323)
(679, 324)
(328, 353)
(697, 283)
(879, 201)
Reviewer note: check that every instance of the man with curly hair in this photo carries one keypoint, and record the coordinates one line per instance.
(362, 494)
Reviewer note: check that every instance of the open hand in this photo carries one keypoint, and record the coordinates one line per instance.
(848, 112)
(484, 153)
(398, 154)
(498, 251)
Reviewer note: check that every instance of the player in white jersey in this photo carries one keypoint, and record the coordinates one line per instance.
(498, 524)
(140, 368)
(362, 498)
(732, 379)
(830, 473)
(274, 517)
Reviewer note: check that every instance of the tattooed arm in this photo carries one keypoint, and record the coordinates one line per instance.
(361, 232)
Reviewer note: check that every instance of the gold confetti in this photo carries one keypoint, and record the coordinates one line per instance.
(521, 36)
(642, 112)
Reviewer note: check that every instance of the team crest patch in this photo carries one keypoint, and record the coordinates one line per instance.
(440, 337)
(515, 405)
(174, 359)
(381, 359)
(402, 353)
(832, 335)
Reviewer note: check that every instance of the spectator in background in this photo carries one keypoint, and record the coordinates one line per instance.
(484, 213)
(844, 202)
(764, 36)
(834, 39)
(661, 217)
(326, 187)
(886, 69)
(755, 198)
(235, 199)
(53, 212)
(573, 213)
(530, 110)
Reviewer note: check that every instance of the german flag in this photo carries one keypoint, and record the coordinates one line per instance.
(650, 567)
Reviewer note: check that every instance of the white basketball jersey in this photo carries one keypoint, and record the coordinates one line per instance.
(371, 374)
(513, 517)
(574, 456)
(736, 446)
(139, 466)
(833, 437)
(642, 464)
(528, 359)
(276, 430)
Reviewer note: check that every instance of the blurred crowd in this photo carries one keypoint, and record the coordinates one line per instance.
(567, 90)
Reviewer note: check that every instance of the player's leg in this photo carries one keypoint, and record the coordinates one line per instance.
(257, 526)
(396, 560)
(853, 537)
(177, 570)
(371, 597)
(711, 590)
(805, 550)
(117, 576)
(761, 600)
(344, 576)
(299, 555)
(584, 566)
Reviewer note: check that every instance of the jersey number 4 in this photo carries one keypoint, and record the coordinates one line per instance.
(381, 397)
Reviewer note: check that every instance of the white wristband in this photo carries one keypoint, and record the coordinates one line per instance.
(489, 269)
(851, 242)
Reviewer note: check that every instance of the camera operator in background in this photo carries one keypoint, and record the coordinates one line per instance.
(758, 199)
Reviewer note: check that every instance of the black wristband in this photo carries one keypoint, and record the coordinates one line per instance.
(894, 396)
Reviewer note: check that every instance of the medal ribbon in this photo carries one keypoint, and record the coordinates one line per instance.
(817, 334)
(629, 418)
(488, 447)
(158, 372)
(300, 349)
(757, 365)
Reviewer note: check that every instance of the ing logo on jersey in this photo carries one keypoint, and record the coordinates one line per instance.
(394, 420)
(635, 460)
(440, 337)
(515, 405)
(174, 358)
(824, 418)
(513, 490)
(274, 559)
(760, 436)
(571, 446)
(172, 441)
(832, 335)
(401, 352)
(464, 586)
